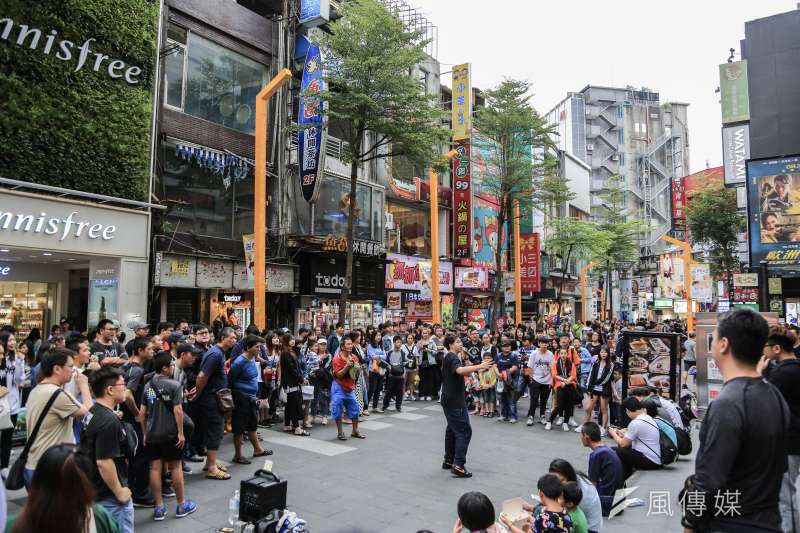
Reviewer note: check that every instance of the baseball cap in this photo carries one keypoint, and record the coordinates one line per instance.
(176, 337)
(322, 340)
(138, 324)
(545, 338)
(186, 347)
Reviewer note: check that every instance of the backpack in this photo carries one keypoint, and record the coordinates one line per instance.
(669, 450)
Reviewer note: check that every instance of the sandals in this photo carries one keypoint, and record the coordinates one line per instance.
(220, 476)
(241, 461)
(220, 466)
(358, 436)
(263, 453)
(341, 436)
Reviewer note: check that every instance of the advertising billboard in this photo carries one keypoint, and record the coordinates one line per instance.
(773, 189)
(462, 201)
(311, 120)
(530, 257)
(414, 274)
(670, 277)
(486, 234)
(462, 102)
(733, 88)
(735, 153)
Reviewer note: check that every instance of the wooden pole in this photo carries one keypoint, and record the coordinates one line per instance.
(517, 267)
(436, 298)
(260, 196)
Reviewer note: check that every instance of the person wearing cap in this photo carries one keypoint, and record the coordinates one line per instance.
(508, 367)
(140, 329)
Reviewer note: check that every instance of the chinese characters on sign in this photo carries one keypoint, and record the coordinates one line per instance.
(462, 102)
(462, 201)
(529, 248)
(339, 244)
(679, 205)
(311, 138)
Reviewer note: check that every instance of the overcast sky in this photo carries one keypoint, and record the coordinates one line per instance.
(673, 47)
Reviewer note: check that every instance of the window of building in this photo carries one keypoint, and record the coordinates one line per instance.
(412, 230)
(621, 158)
(620, 111)
(423, 79)
(621, 135)
(207, 81)
(332, 208)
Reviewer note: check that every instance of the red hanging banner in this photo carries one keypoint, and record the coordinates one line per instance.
(462, 201)
(530, 262)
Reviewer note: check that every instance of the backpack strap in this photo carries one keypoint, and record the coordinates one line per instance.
(29, 443)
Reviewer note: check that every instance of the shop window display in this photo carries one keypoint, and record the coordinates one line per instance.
(411, 234)
(24, 306)
(332, 207)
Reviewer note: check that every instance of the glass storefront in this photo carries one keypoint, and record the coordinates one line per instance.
(411, 234)
(332, 207)
(26, 305)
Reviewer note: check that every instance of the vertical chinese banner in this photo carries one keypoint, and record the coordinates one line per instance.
(529, 250)
(679, 206)
(311, 137)
(462, 201)
(462, 103)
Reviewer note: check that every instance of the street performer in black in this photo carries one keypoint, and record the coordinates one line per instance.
(459, 431)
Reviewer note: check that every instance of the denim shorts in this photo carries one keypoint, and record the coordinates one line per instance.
(340, 399)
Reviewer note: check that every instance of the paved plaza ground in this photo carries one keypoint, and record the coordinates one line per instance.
(392, 482)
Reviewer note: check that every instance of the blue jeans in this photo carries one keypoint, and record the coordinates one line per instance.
(508, 403)
(122, 513)
(456, 436)
(320, 405)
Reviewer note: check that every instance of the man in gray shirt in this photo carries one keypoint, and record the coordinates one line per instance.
(540, 379)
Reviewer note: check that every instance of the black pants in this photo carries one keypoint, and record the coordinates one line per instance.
(436, 381)
(425, 381)
(457, 436)
(539, 395)
(374, 390)
(139, 468)
(394, 389)
(293, 412)
(196, 440)
(634, 460)
(566, 404)
(5, 443)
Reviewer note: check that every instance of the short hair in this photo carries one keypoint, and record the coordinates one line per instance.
(591, 430)
(475, 510)
(783, 337)
(252, 329)
(572, 493)
(103, 378)
(449, 340)
(640, 392)
(163, 326)
(55, 328)
(53, 358)
(183, 348)
(632, 403)
(139, 344)
(339, 325)
(550, 485)
(252, 340)
(227, 331)
(651, 407)
(103, 323)
(397, 338)
(200, 325)
(747, 332)
(765, 216)
(75, 343)
(161, 360)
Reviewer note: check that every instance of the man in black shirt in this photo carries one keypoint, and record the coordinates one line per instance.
(134, 373)
(782, 368)
(473, 347)
(106, 348)
(104, 441)
(459, 431)
(742, 453)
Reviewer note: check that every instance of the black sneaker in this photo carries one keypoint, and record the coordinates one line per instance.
(147, 502)
(195, 459)
(167, 491)
(460, 471)
(447, 466)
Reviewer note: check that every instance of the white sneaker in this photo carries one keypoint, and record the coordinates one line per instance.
(573, 423)
(559, 420)
(603, 432)
(530, 420)
(548, 426)
(324, 420)
(427, 398)
(577, 429)
(543, 419)
(565, 426)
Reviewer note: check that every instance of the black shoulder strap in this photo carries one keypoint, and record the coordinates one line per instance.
(35, 431)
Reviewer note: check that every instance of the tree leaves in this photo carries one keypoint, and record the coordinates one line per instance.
(713, 221)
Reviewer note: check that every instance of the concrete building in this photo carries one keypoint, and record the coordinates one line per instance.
(631, 133)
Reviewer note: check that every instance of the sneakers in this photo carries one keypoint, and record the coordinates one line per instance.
(185, 508)
(565, 426)
(382, 409)
(559, 420)
(502, 419)
(167, 491)
(186, 468)
(160, 513)
(460, 471)
(603, 432)
(324, 420)
(145, 502)
(530, 421)
(446, 465)
(573, 423)
(578, 430)
(548, 426)
(427, 398)
(543, 419)
(513, 420)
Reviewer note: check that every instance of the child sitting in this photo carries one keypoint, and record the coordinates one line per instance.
(572, 498)
(476, 513)
(550, 516)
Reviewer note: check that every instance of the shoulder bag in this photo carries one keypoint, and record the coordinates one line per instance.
(188, 423)
(16, 475)
(224, 400)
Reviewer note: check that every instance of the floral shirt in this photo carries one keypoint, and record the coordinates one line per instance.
(552, 522)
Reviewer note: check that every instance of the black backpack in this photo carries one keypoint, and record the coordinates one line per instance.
(669, 451)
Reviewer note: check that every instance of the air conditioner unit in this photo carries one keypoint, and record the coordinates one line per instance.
(389, 221)
(615, 157)
(293, 156)
(589, 147)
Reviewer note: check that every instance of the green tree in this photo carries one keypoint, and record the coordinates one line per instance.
(517, 134)
(623, 232)
(714, 222)
(368, 57)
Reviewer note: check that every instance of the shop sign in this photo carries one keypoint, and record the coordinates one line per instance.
(680, 306)
(311, 121)
(663, 303)
(776, 305)
(230, 167)
(5, 270)
(734, 91)
(414, 274)
(775, 285)
(232, 298)
(745, 280)
(462, 202)
(735, 152)
(462, 102)
(214, 274)
(679, 204)
(745, 294)
(177, 271)
(339, 244)
(280, 279)
(472, 278)
(394, 300)
(530, 255)
(32, 221)
(723, 306)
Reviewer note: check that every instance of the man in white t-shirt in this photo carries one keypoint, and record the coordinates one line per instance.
(638, 447)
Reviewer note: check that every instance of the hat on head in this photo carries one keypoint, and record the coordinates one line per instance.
(176, 337)
(138, 324)
(186, 347)
(322, 340)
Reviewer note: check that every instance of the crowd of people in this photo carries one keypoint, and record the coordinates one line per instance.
(129, 417)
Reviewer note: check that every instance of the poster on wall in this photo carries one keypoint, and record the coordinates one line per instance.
(486, 233)
(249, 243)
(773, 189)
(477, 317)
(214, 274)
(414, 274)
(447, 310)
(471, 278)
(462, 201)
(394, 300)
(670, 277)
(702, 283)
(178, 271)
(625, 299)
(103, 296)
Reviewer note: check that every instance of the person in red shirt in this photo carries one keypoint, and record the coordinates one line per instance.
(346, 366)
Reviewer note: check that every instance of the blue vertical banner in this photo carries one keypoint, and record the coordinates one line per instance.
(314, 12)
(310, 118)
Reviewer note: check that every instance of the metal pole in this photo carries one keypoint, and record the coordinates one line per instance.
(260, 194)
(517, 267)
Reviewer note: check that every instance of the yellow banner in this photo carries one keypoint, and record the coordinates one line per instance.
(462, 102)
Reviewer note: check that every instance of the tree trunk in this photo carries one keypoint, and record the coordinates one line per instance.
(561, 284)
(348, 269)
(497, 306)
(610, 299)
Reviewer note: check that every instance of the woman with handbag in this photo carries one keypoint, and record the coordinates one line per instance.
(564, 387)
(291, 381)
(377, 369)
(12, 374)
(270, 377)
